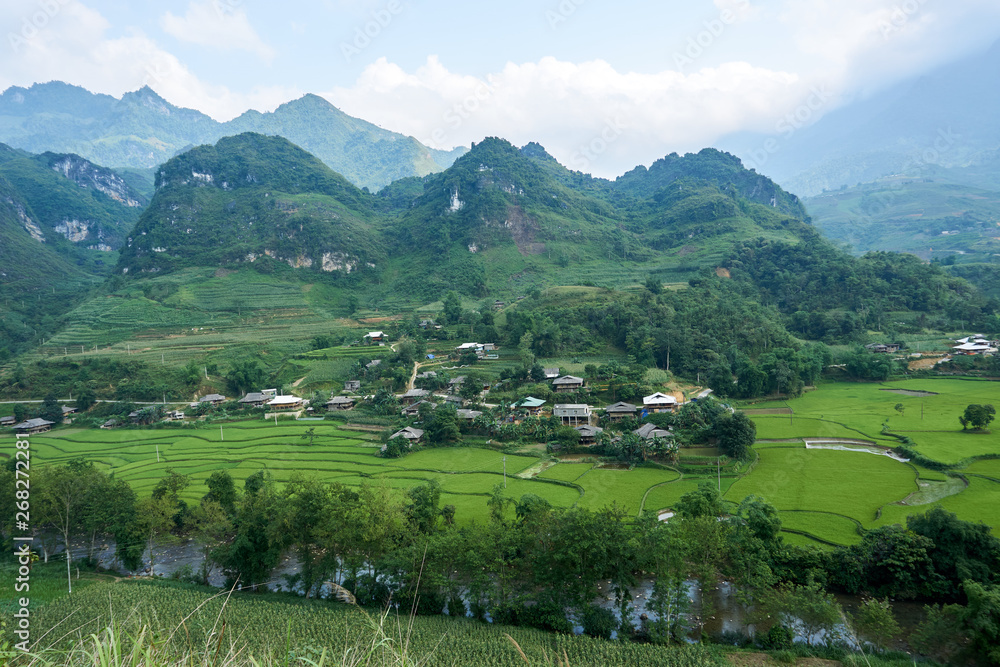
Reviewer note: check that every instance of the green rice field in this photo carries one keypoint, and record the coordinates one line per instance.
(824, 496)
(466, 475)
(828, 494)
(859, 410)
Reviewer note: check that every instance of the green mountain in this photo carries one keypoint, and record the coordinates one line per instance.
(38, 280)
(929, 217)
(253, 199)
(363, 153)
(91, 206)
(497, 222)
(142, 130)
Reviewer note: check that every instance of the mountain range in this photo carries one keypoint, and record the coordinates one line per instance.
(928, 126)
(499, 220)
(141, 130)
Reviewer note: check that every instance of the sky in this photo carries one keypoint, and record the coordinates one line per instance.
(604, 86)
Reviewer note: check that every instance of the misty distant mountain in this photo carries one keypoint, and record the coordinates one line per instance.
(142, 130)
(945, 119)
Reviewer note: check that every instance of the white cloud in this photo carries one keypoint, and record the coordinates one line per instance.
(588, 115)
(221, 24)
(867, 44)
(71, 44)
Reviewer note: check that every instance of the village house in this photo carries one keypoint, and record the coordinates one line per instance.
(976, 345)
(588, 434)
(468, 415)
(174, 415)
(426, 375)
(455, 383)
(340, 403)
(414, 395)
(7, 421)
(620, 411)
(531, 404)
(374, 338)
(373, 363)
(212, 399)
(114, 422)
(413, 409)
(352, 385)
(408, 433)
(572, 414)
(659, 402)
(285, 403)
(652, 431)
(551, 373)
(883, 348)
(255, 399)
(567, 383)
(481, 349)
(455, 399)
(33, 426)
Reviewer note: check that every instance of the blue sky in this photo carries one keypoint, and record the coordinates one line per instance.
(604, 86)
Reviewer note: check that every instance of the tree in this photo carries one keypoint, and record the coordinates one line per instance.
(309, 435)
(736, 434)
(816, 609)
(890, 561)
(245, 376)
(64, 494)
(85, 399)
(385, 402)
(212, 526)
(962, 550)
(452, 308)
(51, 410)
(982, 619)
(653, 285)
(900, 408)
(170, 487)
(977, 416)
(875, 621)
(422, 508)
(442, 428)
(156, 520)
(255, 549)
(703, 501)
(221, 490)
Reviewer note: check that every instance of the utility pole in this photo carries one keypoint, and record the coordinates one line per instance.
(221, 434)
(505, 472)
(718, 467)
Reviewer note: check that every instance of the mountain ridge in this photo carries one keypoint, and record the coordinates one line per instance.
(141, 130)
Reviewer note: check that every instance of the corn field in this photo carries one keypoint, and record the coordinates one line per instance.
(107, 624)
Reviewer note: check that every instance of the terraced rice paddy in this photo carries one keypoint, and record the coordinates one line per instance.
(466, 475)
